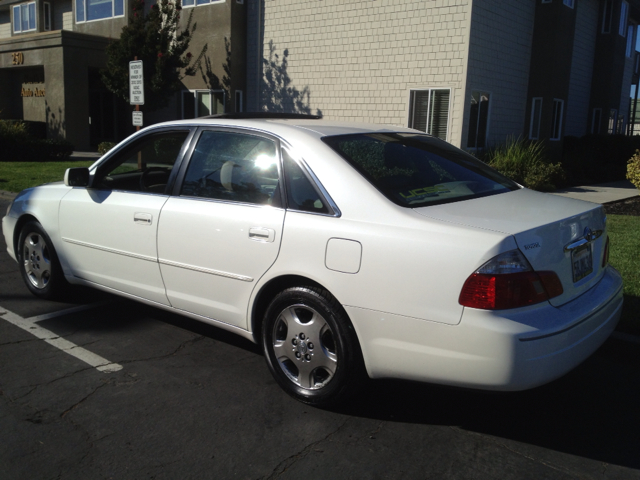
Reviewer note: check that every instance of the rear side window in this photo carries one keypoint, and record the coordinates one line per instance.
(414, 170)
(234, 167)
(301, 194)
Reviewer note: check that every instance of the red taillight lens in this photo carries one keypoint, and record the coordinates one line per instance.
(605, 256)
(492, 287)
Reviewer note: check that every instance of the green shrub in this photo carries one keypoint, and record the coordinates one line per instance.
(17, 145)
(633, 169)
(104, 147)
(526, 163)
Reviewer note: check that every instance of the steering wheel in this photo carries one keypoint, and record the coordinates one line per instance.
(143, 178)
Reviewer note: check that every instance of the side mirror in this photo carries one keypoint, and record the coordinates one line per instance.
(76, 177)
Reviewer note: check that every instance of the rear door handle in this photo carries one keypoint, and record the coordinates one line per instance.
(261, 234)
(142, 218)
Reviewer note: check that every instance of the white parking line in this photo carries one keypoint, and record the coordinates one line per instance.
(30, 325)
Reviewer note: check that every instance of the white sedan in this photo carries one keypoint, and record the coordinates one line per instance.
(346, 250)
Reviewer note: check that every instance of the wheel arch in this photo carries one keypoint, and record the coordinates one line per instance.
(269, 290)
(22, 221)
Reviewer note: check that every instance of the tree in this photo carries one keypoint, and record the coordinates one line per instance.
(155, 39)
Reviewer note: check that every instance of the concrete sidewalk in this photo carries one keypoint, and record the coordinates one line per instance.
(601, 193)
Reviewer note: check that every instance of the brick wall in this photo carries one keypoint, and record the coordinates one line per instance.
(360, 59)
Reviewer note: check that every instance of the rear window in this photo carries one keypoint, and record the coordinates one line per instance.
(414, 170)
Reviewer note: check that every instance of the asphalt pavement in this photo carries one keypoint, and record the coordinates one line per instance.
(184, 400)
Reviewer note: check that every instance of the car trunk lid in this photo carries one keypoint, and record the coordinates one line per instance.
(554, 233)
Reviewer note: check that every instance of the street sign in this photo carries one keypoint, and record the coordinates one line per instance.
(136, 83)
(137, 119)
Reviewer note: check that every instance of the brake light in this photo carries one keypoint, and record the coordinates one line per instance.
(508, 281)
(605, 256)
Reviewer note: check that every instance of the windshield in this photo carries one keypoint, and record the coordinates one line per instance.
(415, 170)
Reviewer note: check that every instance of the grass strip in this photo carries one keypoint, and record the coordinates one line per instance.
(16, 176)
(624, 232)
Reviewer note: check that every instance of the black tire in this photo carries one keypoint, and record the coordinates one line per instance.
(39, 265)
(311, 347)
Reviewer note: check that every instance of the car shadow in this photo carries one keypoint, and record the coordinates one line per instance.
(592, 412)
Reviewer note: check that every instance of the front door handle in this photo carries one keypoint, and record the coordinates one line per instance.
(261, 234)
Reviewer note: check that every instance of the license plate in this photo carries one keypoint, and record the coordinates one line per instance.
(582, 261)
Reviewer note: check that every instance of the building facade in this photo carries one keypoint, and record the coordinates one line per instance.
(472, 72)
(51, 53)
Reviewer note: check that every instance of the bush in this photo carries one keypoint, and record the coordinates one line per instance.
(633, 169)
(17, 145)
(104, 147)
(526, 163)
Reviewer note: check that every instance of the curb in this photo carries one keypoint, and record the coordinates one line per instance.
(5, 194)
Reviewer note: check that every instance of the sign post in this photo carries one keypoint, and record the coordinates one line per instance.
(136, 97)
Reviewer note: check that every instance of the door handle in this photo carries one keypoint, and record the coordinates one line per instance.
(142, 218)
(261, 234)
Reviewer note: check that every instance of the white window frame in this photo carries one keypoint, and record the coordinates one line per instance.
(569, 3)
(624, 18)
(556, 120)
(411, 113)
(18, 8)
(534, 127)
(46, 11)
(195, 92)
(85, 9)
(596, 114)
(194, 3)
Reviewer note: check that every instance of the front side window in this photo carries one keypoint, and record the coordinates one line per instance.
(24, 17)
(143, 166)
(90, 10)
(414, 170)
(234, 167)
(429, 111)
(478, 120)
(556, 121)
(536, 114)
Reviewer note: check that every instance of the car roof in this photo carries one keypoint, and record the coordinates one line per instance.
(279, 126)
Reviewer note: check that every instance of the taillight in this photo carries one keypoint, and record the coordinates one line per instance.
(508, 281)
(605, 256)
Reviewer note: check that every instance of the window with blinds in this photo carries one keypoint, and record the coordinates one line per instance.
(429, 111)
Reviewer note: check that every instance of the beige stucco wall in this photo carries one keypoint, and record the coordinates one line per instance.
(360, 59)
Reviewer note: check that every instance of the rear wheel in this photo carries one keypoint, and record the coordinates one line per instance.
(311, 347)
(39, 265)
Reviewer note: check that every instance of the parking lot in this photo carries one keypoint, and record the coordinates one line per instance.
(106, 388)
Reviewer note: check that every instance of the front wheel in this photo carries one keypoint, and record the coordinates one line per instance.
(311, 347)
(39, 265)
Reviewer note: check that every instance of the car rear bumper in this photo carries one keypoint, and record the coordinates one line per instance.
(493, 350)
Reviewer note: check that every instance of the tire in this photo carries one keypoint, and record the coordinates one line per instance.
(311, 347)
(39, 265)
